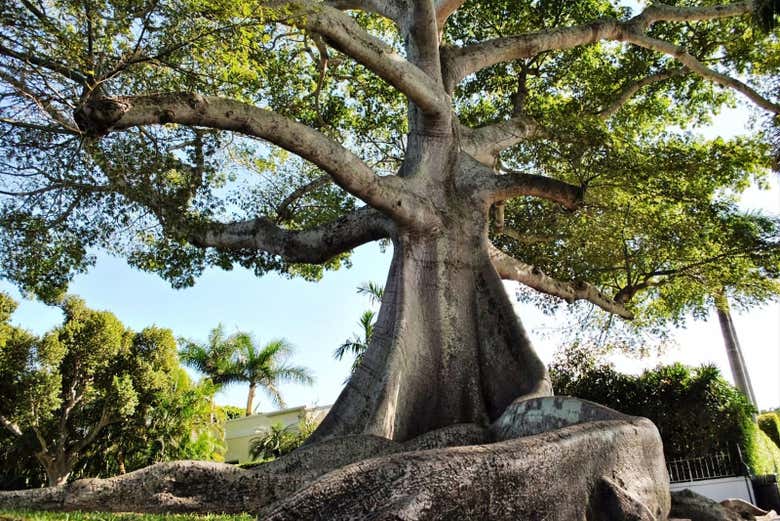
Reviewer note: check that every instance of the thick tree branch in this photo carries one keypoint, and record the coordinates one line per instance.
(444, 8)
(344, 34)
(668, 13)
(459, 62)
(423, 41)
(388, 9)
(485, 143)
(510, 268)
(388, 194)
(515, 184)
(308, 246)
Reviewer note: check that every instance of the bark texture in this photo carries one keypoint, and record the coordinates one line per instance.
(447, 348)
(447, 474)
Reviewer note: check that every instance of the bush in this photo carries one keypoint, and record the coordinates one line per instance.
(769, 422)
(761, 453)
(280, 440)
(697, 412)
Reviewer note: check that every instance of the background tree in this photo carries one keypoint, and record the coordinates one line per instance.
(128, 135)
(238, 359)
(175, 418)
(68, 387)
(92, 398)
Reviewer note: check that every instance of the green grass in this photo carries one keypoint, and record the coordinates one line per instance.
(30, 515)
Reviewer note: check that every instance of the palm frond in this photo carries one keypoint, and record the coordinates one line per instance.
(276, 397)
(293, 374)
(374, 291)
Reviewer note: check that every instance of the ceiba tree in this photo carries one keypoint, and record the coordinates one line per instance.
(161, 130)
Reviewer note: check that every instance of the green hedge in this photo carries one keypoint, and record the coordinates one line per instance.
(770, 423)
(696, 410)
(761, 453)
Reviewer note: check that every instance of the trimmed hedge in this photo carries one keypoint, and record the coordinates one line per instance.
(769, 422)
(696, 410)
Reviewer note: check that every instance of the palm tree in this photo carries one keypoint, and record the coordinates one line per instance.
(357, 345)
(238, 359)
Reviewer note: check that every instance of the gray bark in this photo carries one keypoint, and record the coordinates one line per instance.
(447, 347)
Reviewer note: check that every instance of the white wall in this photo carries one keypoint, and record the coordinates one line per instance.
(719, 489)
(240, 431)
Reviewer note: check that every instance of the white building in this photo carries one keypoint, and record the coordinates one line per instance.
(238, 432)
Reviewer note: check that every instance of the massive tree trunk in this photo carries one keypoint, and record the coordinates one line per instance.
(447, 347)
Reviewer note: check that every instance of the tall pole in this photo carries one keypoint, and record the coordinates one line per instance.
(733, 350)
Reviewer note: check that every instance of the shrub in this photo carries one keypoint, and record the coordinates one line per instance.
(769, 422)
(697, 412)
(280, 440)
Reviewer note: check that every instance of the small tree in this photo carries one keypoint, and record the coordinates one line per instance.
(281, 440)
(62, 394)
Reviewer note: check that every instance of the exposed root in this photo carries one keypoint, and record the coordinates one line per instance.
(610, 463)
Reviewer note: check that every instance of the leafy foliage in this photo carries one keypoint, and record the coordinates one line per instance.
(770, 423)
(94, 398)
(281, 440)
(649, 186)
(696, 411)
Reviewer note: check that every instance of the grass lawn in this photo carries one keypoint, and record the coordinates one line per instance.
(29, 515)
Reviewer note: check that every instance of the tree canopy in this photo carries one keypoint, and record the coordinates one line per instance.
(91, 394)
(549, 142)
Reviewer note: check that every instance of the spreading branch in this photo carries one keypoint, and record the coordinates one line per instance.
(485, 143)
(344, 34)
(460, 62)
(309, 246)
(444, 8)
(389, 10)
(515, 184)
(510, 268)
(388, 194)
(694, 65)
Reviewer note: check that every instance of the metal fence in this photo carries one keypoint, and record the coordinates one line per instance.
(719, 465)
